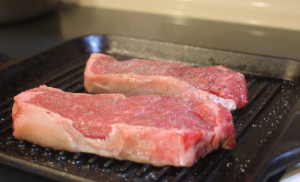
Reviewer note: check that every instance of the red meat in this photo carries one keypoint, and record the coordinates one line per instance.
(160, 130)
(104, 74)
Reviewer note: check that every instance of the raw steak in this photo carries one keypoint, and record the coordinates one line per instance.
(160, 130)
(104, 74)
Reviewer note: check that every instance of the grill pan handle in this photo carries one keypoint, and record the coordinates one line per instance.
(286, 152)
(3, 58)
(7, 61)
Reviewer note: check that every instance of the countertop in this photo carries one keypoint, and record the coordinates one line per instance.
(69, 21)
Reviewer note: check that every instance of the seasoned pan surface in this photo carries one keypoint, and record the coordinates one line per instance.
(267, 141)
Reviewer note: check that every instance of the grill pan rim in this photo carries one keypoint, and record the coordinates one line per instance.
(40, 170)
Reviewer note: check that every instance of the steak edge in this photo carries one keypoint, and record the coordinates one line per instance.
(45, 116)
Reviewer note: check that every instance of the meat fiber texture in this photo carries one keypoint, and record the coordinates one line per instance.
(104, 74)
(160, 130)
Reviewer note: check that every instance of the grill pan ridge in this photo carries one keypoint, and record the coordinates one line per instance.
(263, 128)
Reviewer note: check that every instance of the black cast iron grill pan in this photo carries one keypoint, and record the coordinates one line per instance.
(266, 129)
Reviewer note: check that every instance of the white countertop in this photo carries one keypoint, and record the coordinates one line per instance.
(275, 14)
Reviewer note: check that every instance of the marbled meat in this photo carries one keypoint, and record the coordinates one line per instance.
(155, 129)
(104, 74)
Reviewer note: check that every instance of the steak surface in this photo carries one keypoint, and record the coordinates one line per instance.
(104, 74)
(160, 130)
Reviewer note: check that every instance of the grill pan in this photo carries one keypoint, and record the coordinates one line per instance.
(266, 129)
